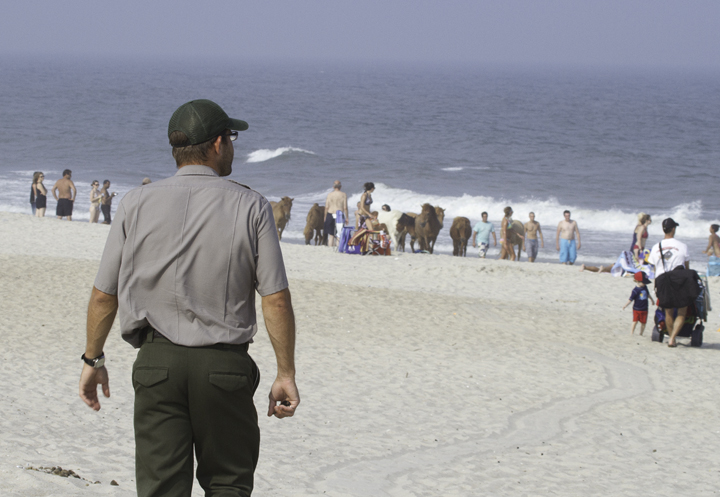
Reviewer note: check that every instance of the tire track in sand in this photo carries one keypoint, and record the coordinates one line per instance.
(378, 477)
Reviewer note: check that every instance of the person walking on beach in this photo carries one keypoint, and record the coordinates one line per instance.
(182, 263)
(481, 235)
(639, 296)
(532, 230)
(509, 237)
(667, 255)
(107, 197)
(565, 239)
(64, 192)
(39, 193)
(335, 201)
(95, 200)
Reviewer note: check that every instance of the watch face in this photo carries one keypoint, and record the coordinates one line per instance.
(98, 362)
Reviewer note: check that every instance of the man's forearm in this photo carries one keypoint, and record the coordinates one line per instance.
(280, 323)
(101, 314)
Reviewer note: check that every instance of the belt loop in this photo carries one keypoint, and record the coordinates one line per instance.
(149, 334)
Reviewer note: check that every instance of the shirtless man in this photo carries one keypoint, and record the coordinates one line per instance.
(530, 243)
(335, 201)
(713, 248)
(64, 192)
(565, 239)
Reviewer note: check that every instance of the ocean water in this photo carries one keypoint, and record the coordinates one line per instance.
(604, 144)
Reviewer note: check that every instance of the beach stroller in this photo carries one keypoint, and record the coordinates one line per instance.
(693, 326)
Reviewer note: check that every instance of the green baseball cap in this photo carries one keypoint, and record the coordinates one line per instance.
(202, 120)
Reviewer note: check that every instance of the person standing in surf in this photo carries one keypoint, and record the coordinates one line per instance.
(39, 193)
(565, 239)
(640, 234)
(64, 192)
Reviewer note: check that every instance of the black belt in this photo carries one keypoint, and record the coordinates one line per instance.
(150, 334)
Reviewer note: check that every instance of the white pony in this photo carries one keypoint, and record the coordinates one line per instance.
(390, 219)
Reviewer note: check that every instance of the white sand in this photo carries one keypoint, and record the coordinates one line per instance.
(419, 376)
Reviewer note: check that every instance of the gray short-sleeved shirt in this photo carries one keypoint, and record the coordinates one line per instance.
(186, 255)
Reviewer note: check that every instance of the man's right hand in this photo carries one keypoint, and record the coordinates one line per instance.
(90, 378)
(284, 398)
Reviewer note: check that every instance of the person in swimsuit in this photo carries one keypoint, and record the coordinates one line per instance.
(565, 239)
(64, 192)
(40, 193)
(532, 231)
(640, 234)
(366, 201)
(32, 193)
(507, 250)
(95, 199)
(713, 251)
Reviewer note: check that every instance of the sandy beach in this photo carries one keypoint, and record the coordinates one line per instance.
(419, 376)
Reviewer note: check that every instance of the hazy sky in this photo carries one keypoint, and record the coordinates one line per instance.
(568, 32)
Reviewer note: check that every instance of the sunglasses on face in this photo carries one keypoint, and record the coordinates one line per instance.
(232, 135)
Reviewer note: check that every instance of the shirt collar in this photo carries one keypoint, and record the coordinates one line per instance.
(196, 170)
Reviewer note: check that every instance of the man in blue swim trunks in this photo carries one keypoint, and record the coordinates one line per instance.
(565, 239)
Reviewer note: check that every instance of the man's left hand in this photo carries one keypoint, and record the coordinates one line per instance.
(90, 378)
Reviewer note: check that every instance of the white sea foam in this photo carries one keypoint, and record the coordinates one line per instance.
(453, 168)
(547, 211)
(265, 154)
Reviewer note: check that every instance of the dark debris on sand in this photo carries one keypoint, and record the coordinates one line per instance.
(65, 473)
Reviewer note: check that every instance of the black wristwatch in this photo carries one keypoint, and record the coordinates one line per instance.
(96, 363)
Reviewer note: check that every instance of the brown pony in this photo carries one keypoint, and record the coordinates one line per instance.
(427, 227)
(315, 224)
(405, 226)
(440, 212)
(281, 213)
(460, 232)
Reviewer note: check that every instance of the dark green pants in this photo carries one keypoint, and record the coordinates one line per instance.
(199, 397)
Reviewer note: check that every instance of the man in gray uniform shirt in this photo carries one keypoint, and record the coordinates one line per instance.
(181, 265)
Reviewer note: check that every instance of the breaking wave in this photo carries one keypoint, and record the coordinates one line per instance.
(265, 154)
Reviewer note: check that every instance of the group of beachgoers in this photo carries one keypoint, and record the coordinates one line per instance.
(526, 237)
(637, 258)
(65, 192)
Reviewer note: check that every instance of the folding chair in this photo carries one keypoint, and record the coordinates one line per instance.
(381, 246)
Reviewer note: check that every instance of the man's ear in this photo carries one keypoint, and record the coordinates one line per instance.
(217, 143)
